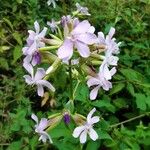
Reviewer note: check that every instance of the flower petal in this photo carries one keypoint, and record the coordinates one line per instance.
(82, 27)
(35, 118)
(89, 116)
(66, 50)
(94, 92)
(83, 136)
(93, 81)
(111, 32)
(28, 79)
(40, 73)
(83, 49)
(94, 119)
(77, 131)
(47, 84)
(40, 90)
(87, 38)
(93, 135)
(42, 124)
(37, 27)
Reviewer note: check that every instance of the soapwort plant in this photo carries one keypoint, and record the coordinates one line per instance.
(74, 44)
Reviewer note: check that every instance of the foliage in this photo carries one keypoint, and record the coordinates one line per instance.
(129, 99)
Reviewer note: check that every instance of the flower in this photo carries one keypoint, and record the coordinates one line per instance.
(80, 37)
(53, 25)
(82, 10)
(34, 41)
(99, 81)
(87, 128)
(40, 127)
(111, 48)
(49, 2)
(37, 79)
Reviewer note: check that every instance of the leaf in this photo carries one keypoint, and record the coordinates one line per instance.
(8, 23)
(130, 88)
(4, 63)
(15, 145)
(17, 53)
(131, 74)
(93, 145)
(17, 37)
(140, 101)
(103, 135)
(4, 48)
(82, 92)
(120, 103)
(104, 103)
(117, 88)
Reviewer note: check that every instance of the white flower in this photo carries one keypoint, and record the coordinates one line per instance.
(99, 81)
(49, 2)
(40, 127)
(83, 130)
(111, 48)
(34, 40)
(53, 25)
(82, 10)
(37, 79)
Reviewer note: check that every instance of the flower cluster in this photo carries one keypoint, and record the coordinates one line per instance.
(74, 44)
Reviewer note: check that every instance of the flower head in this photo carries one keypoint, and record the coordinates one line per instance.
(80, 37)
(87, 128)
(37, 79)
(82, 10)
(99, 81)
(111, 48)
(40, 127)
(53, 25)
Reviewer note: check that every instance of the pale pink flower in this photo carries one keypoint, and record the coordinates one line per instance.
(40, 127)
(98, 82)
(79, 38)
(87, 128)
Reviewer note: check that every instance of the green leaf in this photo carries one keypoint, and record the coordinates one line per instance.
(17, 53)
(117, 88)
(104, 103)
(8, 23)
(103, 135)
(130, 88)
(140, 101)
(82, 92)
(4, 63)
(17, 37)
(93, 145)
(15, 145)
(120, 103)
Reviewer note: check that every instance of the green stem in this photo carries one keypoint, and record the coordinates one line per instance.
(129, 120)
(70, 78)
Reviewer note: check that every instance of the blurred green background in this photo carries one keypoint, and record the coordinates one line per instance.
(130, 96)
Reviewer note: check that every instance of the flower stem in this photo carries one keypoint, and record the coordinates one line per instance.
(129, 120)
(70, 78)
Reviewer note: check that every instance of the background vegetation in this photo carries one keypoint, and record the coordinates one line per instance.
(128, 100)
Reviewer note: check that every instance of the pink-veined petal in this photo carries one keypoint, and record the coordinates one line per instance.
(40, 90)
(113, 71)
(46, 84)
(28, 79)
(66, 50)
(94, 119)
(93, 81)
(106, 85)
(32, 48)
(82, 27)
(35, 118)
(83, 137)
(77, 131)
(93, 135)
(111, 32)
(42, 124)
(89, 116)
(39, 74)
(94, 92)
(43, 32)
(83, 49)
(37, 27)
(87, 38)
